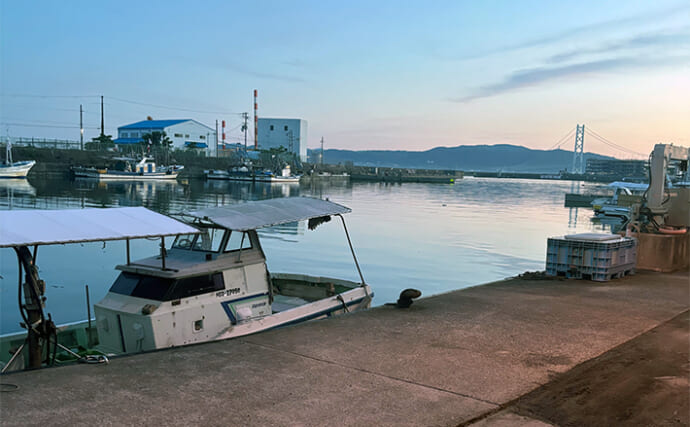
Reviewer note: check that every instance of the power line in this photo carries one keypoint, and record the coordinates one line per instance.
(44, 126)
(17, 95)
(170, 108)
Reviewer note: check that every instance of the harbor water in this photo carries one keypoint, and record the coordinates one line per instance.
(432, 237)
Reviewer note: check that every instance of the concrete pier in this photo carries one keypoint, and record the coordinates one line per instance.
(487, 355)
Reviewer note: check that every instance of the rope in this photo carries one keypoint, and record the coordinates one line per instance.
(340, 298)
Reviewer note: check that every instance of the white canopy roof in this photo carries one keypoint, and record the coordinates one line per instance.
(46, 227)
(265, 213)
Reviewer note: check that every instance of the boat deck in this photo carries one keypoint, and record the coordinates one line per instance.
(485, 355)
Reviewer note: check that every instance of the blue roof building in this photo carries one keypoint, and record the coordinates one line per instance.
(183, 133)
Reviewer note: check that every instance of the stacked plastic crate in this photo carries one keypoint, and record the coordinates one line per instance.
(592, 256)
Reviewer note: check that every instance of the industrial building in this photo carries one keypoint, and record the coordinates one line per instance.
(288, 133)
(617, 169)
(184, 133)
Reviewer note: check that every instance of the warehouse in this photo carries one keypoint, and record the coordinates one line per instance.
(184, 133)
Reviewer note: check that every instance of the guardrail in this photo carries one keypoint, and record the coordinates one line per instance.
(64, 144)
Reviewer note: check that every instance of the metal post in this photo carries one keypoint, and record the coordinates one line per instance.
(102, 119)
(352, 249)
(88, 314)
(244, 128)
(163, 251)
(256, 120)
(81, 127)
(128, 261)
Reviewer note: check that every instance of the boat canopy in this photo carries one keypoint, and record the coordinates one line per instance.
(265, 213)
(47, 227)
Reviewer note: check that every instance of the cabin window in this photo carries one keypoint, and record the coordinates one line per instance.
(235, 241)
(135, 285)
(209, 240)
(184, 241)
(159, 289)
(197, 285)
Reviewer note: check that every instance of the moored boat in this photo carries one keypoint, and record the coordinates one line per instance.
(211, 284)
(244, 174)
(11, 169)
(145, 169)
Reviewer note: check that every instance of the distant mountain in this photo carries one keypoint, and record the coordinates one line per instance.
(484, 158)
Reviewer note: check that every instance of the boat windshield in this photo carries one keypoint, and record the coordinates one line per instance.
(210, 239)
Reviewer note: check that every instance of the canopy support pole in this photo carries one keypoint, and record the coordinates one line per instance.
(347, 234)
(163, 252)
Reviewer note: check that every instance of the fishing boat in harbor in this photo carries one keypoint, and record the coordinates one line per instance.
(211, 284)
(12, 169)
(145, 169)
(244, 174)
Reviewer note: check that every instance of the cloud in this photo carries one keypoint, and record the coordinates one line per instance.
(539, 75)
(667, 40)
(585, 29)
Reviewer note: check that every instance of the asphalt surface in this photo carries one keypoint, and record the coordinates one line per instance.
(465, 357)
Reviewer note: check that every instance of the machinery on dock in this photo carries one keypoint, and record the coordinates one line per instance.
(660, 222)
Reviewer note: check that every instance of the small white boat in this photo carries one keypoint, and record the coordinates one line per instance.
(10, 169)
(244, 174)
(211, 284)
(146, 169)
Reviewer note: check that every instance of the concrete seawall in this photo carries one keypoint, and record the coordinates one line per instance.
(459, 358)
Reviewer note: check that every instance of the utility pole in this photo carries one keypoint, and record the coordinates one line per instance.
(81, 127)
(245, 116)
(102, 120)
(322, 152)
(217, 138)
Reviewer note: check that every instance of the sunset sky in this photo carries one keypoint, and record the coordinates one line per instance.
(392, 75)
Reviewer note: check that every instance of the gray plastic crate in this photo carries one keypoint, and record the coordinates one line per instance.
(599, 257)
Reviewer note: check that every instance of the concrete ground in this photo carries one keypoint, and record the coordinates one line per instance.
(466, 357)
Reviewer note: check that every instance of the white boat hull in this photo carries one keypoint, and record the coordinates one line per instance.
(16, 169)
(226, 176)
(124, 176)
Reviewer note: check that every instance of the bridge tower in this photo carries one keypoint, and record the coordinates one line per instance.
(578, 153)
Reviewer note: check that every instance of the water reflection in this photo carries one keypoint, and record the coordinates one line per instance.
(434, 237)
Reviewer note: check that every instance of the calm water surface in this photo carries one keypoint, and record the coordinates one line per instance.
(432, 237)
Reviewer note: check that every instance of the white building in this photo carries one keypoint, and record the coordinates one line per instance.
(288, 133)
(183, 133)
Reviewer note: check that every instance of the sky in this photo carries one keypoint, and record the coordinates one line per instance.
(381, 75)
